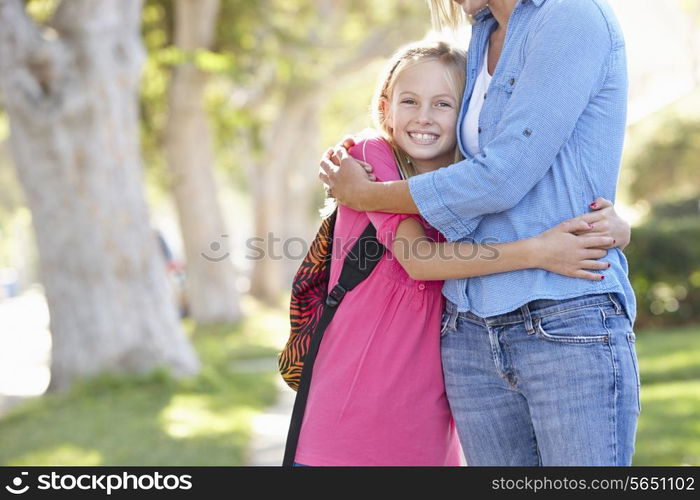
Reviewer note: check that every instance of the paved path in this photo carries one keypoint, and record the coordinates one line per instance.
(25, 348)
(270, 429)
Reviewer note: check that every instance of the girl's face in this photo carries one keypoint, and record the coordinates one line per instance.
(471, 7)
(422, 115)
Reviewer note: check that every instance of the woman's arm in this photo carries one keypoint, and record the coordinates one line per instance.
(558, 250)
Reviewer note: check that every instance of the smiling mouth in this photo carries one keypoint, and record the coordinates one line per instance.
(423, 138)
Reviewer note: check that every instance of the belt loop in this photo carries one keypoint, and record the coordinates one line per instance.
(613, 299)
(528, 318)
(452, 314)
(452, 320)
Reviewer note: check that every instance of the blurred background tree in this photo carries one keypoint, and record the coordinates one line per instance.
(274, 66)
(211, 282)
(661, 166)
(70, 87)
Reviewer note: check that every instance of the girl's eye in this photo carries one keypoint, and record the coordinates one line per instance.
(408, 101)
(444, 104)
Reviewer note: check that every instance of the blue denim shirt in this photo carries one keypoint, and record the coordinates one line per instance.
(551, 134)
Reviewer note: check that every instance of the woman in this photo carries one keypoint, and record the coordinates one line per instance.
(540, 369)
(377, 396)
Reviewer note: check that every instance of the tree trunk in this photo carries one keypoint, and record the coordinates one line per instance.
(71, 96)
(282, 200)
(211, 279)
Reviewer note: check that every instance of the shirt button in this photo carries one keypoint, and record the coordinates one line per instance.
(511, 81)
(478, 130)
(421, 287)
(485, 94)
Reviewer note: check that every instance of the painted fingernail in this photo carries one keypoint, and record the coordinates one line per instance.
(602, 277)
(593, 205)
(609, 265)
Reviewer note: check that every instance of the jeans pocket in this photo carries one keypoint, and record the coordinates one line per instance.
(578, 325)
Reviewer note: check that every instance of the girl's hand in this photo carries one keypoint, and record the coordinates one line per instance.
(606, 222)
(561, 251)
(332, 158)
(346, 179)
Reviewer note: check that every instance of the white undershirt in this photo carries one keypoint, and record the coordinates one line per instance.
(470, 125)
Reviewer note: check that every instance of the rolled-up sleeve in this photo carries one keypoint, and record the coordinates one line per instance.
(435, 210)
(566, 58)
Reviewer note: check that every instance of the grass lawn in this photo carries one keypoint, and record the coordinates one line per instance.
(156, 420)
(669, 426)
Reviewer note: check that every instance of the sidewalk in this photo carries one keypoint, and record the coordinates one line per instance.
(25, 348)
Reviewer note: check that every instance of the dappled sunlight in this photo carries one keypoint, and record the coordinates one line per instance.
(269, 325)
(669, 426)
(59, 455)
(192, 416)
(679, 361)
(678, 398)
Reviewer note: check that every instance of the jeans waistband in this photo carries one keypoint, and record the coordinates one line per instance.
(538, 308)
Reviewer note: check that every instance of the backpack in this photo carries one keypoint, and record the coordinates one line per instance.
(312, 308)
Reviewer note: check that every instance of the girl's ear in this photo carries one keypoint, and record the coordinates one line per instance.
(384, 106)
(386, 113)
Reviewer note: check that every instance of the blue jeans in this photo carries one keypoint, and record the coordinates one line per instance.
(553, 383)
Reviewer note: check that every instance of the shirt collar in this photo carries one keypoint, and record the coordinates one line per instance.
(481, 15)
(486, 12)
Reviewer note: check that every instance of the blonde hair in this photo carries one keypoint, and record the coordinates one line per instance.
(446, 14)
(453, 58)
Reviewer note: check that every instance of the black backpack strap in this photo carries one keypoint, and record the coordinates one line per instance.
(358, 265)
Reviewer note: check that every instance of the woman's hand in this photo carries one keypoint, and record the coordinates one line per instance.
(561, 251)
(345, 178)
(606, 222)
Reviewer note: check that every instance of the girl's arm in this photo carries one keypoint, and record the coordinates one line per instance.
(606, 222)
(557, 250)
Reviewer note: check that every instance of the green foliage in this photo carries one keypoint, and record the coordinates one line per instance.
(669, 366)
(157, 26)
(41, 10)
(664, 255)
(667, 167)
(664, 259)
(662, 153)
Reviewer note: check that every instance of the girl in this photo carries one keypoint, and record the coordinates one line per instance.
(377, 395)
